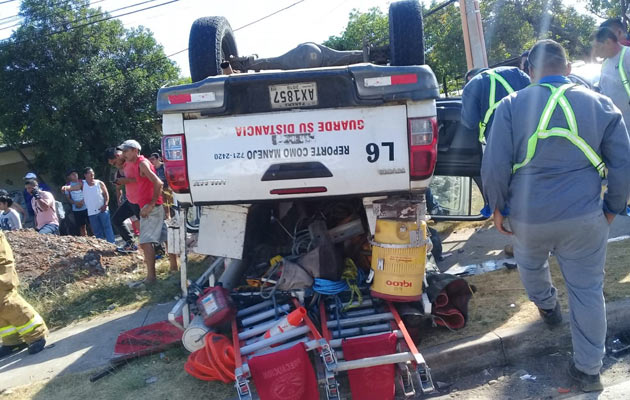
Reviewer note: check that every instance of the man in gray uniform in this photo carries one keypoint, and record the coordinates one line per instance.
(614, 81)
(544, 165)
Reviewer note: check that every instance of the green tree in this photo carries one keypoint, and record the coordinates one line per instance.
(444, 42)
(78, 84)
(608, 8)
(371, 27)
(443, 37)
(510, 27)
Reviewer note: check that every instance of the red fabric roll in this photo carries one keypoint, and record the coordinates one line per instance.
(449, 316)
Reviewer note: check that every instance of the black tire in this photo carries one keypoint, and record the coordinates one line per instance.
(406, 36)
(211, 41)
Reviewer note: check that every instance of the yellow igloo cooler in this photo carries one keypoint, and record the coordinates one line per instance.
(399, 254)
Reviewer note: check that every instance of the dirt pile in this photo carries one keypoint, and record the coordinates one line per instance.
(50, 258)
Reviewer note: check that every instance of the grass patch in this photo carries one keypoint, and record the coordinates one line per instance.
(491, 307)
(73, 299)
(130, 383)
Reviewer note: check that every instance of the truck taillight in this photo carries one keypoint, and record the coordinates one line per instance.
(174, 152)
(422, 147)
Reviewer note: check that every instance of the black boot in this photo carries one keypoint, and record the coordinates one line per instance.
(588, 383)
(37, 346)
(552, 317)
(6, 350)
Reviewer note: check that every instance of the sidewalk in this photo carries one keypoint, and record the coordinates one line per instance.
(76, 348)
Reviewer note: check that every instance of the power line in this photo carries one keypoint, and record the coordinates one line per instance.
(269, 15)
(176, 53)
(438, 8)
(10, 17)
(7, 1)
(163, 58)
(166, 57)
(248, 24)
(62, 3)
(72, 28)
(96, 15)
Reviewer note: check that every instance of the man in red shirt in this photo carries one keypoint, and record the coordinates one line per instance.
(146, 192)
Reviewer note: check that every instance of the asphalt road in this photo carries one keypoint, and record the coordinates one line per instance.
(547, 380)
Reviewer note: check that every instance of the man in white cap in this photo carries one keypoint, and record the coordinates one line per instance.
(45, 208)
(30, 217)
(146, 192)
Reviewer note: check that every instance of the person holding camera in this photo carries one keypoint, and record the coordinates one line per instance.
(43, 204)
(29, 217)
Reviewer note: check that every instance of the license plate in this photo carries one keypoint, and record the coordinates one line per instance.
(293, 95)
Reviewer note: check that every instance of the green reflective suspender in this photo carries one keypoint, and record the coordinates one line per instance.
(622, 72)
(571, 134)
(492, 102)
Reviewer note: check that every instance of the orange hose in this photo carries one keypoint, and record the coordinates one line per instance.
(213, 362)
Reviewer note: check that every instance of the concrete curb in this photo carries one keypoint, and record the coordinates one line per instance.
(502, 346)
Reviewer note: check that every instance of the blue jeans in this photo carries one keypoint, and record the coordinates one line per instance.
(49, 229)
(102, 226)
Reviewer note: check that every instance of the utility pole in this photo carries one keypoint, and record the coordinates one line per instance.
(473, 34)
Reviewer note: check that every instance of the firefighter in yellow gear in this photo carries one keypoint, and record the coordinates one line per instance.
(20, 325)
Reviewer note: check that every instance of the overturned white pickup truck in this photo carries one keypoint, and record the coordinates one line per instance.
(355, 131)
(313, 125)
(257, 159)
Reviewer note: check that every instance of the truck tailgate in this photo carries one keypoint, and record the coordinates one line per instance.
(308, 153)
